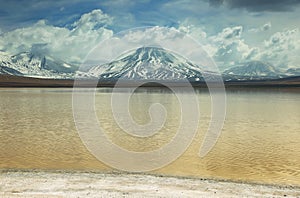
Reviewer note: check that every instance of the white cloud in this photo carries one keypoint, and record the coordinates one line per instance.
(91, 21)
(69, 45)
(230, 33)
(132, 39)
(262, 28)
(231, 48)
(199, 35)
(283, 40)
(168, 38)
(267, 26)
(228, 46)
(195, 32)
(283, 48)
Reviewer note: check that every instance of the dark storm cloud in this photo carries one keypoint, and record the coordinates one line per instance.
(258, 5)
(216, 2)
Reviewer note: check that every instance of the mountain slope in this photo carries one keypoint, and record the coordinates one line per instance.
(9, 71)
(148, 63)
(254, 70)
(293, 72)
(35, 65)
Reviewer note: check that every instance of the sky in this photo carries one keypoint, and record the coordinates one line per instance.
(231, 31)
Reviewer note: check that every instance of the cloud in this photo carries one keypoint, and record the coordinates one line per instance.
(226, 47)
(91, 21)
(24, 13)
(262, 28)
(132, 39)
(199, 35)
(70, 45)
(230, 33)
(231, 48)
(192, 30)
(282, 48)
(266, 27)
(216, 3)
(258, 5)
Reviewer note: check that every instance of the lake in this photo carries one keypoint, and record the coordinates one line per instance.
(260, 140)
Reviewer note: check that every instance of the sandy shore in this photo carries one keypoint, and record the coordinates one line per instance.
(58, 184)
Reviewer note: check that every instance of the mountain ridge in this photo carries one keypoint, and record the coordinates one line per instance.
(34, 65)
(145, 63)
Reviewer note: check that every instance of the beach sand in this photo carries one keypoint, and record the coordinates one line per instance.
(83, 184)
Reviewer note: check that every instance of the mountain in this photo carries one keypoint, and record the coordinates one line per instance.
(35, 65)
(6, 65)
(154, 63)
(9, 71)
(293, 72)
(145, 63)
(148, 63)
(254, 70)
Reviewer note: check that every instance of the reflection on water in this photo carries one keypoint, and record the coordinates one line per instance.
(260, 140)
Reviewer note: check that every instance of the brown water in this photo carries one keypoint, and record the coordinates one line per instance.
(260, 141)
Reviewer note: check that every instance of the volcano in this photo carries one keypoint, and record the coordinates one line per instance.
(148, 63)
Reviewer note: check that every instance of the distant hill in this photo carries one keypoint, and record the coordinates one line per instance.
(254, 70)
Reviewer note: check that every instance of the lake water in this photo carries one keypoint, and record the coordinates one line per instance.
(260, 140)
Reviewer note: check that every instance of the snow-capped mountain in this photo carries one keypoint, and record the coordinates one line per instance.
(148, 63)
(293, 72)
(9, 71)
(154, 63)
(34, 65)
(6, 65)
(254, 70)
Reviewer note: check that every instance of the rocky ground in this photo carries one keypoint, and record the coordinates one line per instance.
(77, 184)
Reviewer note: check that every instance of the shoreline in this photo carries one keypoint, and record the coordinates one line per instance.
(20, 81)
(60, 183)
